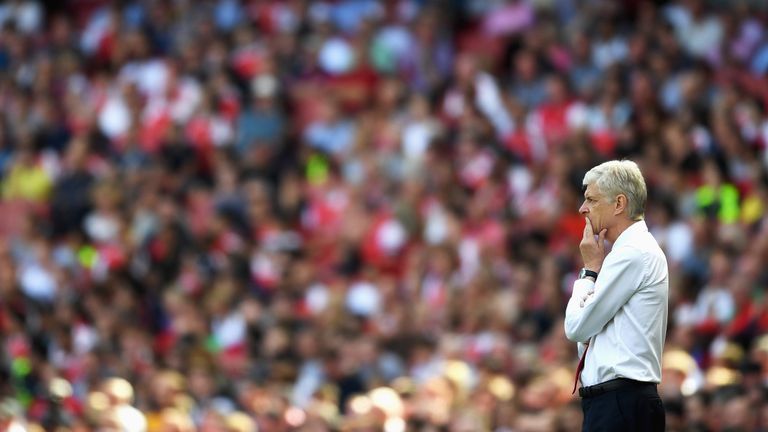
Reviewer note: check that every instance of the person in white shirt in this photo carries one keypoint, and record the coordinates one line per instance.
(617, 313)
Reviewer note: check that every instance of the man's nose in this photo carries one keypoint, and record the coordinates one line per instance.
(583, 209)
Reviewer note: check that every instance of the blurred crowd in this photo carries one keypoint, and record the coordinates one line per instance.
(360, 215)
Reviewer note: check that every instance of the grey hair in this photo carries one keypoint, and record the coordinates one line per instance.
(620, 177)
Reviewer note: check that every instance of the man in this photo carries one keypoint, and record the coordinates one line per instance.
(618, 310)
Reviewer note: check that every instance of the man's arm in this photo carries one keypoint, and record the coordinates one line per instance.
(583, 289)
(621, 275)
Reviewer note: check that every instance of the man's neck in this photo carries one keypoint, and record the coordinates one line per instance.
(619, 228)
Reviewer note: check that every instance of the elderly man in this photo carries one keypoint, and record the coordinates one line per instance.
(618, 310)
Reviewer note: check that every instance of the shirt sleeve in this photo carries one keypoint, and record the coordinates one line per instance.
(621, 276)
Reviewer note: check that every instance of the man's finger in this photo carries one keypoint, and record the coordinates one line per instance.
(601, 237)
(588, 226)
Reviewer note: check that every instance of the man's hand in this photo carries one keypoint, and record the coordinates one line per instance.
(585, 297)
(592, 249)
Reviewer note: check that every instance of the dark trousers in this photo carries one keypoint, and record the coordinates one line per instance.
(636, 407)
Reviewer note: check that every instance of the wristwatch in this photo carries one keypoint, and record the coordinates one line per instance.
(587, 273)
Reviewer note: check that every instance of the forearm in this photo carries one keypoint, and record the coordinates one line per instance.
(574, 313)
(621, 274)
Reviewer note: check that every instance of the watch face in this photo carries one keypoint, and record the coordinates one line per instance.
(582, 273)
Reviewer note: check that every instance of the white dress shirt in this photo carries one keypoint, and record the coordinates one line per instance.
(623, 315)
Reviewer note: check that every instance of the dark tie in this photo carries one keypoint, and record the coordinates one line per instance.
(579, 368)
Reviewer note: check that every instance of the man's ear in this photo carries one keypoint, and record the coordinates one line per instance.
(620, 205)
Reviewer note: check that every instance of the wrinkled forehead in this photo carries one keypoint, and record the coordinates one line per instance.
(591, 190)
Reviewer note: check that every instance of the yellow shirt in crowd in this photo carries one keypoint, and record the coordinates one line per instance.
(27, 182)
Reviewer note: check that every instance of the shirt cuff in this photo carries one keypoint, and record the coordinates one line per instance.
(582, 287)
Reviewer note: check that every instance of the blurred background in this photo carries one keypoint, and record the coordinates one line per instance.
(359, 215)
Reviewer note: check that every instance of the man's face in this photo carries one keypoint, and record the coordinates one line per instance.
(597, 207)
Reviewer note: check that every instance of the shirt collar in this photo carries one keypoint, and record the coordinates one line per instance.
(634, 229)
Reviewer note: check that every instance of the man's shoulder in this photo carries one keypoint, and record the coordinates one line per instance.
(625, 254)
(646, 248)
